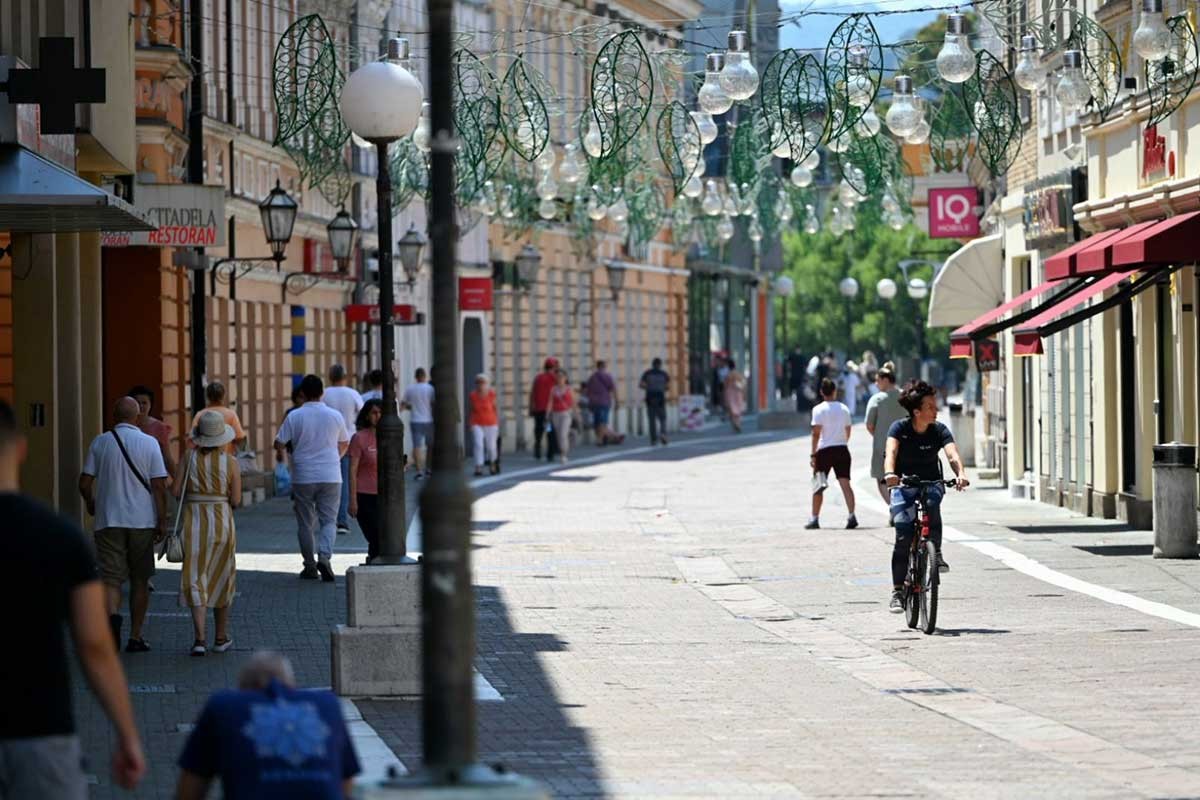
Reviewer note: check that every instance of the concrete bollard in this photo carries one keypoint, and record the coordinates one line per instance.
(1175, 501)
(962, 425)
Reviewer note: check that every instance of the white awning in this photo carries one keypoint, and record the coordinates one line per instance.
(970, 283)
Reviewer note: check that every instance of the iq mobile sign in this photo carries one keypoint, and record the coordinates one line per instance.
(952, 213)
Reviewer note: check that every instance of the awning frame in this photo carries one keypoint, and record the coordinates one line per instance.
(992, 328)
(1133, 288)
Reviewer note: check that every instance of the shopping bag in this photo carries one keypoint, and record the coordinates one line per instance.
(283, 479)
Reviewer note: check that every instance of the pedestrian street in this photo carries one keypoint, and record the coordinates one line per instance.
(656, 623)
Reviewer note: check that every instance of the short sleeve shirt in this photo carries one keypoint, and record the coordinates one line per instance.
(314, 431)
(918, 453)
(600, 388)
(121, 499)
(275, 744)
(419, 398)
(346, 402)
(656, 382)
(834, 418)
(46, 558)
(363, 446)
(883, 411)
(231, 419)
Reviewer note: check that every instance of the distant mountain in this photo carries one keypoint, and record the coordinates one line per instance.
(813, 31)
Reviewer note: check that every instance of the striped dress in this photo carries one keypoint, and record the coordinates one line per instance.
(209, 540)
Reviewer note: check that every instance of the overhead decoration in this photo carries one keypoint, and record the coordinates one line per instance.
(1103, 67)
(990, 99)
(525, 122)
(950, 137)
(622, 91)
(853, 72)
(477, 124)
(678, 143)
(1170, 79)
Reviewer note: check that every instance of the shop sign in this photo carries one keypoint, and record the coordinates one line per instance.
(474, 294)
(987, 355)
(402, 314)
(22, 123)
(187, 215)
(1157, 162)
(1048, 217)
(952, 213)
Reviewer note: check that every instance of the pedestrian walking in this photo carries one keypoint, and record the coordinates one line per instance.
(364, 474)
(797, 378)
(830, 451)
(215, 395)
(539, 396)
(347, 402)
(850, 384)
(318, 438)
(734, 393)
(560, 407)
(268, 740)
(152, 426)
(485, 425)
(52, 581)
(374, 386)
(883, 411)
(124, 485)
(418, 400)
(655, 382)
(601, 393)
(209, 489)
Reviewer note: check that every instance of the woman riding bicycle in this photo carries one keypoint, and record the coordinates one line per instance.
(913, 447)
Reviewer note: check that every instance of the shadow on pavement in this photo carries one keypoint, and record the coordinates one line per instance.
(1067, 527)
(969, 631)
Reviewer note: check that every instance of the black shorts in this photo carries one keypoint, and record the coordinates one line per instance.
(834, 458)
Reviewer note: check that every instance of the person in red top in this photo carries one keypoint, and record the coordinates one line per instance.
(364, 475)
(538, 397)
(485, 425)
(560, 405)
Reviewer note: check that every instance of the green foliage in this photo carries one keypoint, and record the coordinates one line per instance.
(817, 312)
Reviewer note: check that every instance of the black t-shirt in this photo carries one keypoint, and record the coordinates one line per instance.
(918, 452)
(656, 381)
(45, 558)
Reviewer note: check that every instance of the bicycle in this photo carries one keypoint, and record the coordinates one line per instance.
(921, 581)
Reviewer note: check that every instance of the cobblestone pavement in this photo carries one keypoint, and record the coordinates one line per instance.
(657, 623)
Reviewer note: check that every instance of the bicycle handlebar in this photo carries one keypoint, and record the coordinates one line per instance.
(913, 482)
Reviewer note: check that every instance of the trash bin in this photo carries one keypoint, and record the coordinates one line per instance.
(1175, 501)
(962, 425)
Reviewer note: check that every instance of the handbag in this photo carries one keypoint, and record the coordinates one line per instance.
(172, 546)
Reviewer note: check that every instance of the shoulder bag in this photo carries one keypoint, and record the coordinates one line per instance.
(172, 546)
(141, 478)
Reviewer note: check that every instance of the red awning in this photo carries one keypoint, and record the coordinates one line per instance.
(1062, 264)
(961, 344)
(1027, 339)
(1169, 241)
(1099, 256)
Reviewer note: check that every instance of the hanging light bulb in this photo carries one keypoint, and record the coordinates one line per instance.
(1073, 91)
(711, 205)
(547, 208)
(596, 210)
(739, 78)
(746, 205)
(618, 211)
(1152, 39)
(921, 132)
(955, 61)
(754, 230)
(546, 159)
(836, 226)
(812, 225)
(812, 160)
(847, 194)
(783, 146)
(1028, 73)
(605, 89)
(839, 144)
(705, 125)
(889, 202)
(593, 144)
(860, 89)
(420, 134)
(902, 116)
(848, 219)
(694, 187)
(547, 187)
(487, 200)
(570, 171)
(783, 206)
(868, 124)
(506, 202)
(896, 221)
(733, 200)
(802, 176)
(725, 228)
(711, 97)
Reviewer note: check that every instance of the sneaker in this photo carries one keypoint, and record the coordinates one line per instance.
(494, 467)
(198, 648)
(221, 645)
(942, 565)
(419, 475)
(851, 522)
(662, 440)
(137, 646)
(813, 524)
(478, 471)
(326, 571)
(897, 604)
(342, 530)
(310, 573)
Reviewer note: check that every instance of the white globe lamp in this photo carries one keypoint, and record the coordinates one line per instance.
(381, 101)
(848, 287)
(886, 288)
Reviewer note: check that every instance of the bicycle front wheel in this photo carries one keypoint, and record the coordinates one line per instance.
(929, 587)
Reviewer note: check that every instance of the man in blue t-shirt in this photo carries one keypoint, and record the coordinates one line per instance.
(269, 740)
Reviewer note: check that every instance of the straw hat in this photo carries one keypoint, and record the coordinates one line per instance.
(211, 430)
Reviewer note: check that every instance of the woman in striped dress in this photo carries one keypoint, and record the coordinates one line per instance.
(212, 489)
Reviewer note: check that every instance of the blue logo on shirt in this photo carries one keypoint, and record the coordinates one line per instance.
(291, 731)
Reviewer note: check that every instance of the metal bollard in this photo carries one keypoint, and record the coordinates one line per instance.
(1175, 501)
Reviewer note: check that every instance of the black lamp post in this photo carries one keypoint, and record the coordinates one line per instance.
(278, 210)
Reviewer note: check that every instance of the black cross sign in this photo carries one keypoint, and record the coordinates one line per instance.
(56, 85)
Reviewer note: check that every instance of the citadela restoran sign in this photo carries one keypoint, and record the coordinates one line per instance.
(186, 215)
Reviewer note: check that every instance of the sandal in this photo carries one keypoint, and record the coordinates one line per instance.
(198, 648)
(221, 645)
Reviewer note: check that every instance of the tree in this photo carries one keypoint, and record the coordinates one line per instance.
(817, 313)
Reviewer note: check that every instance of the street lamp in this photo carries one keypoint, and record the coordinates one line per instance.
(886, 289)
(849, 288)
(616, 278)
(918, 289)
(529, 261)
(343, 233)
(381, 102)
(411, 245)
(784, 286)
(278, 210)
(523, 276)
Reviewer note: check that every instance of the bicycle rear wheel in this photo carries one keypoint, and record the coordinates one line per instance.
(929, 587)
(912, 592)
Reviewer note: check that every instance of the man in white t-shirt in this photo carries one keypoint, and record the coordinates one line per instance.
(318, 438)
(124, 485)
(830, 437)
(418, 399)
(347, 402)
